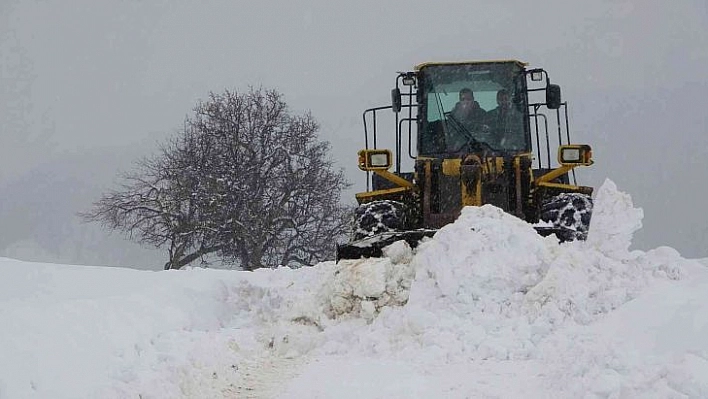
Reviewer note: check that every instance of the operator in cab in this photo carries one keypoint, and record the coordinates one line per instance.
(505, 122)
(467, 119)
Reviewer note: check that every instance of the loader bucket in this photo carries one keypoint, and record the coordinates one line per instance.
(372, 247)
(564, 234)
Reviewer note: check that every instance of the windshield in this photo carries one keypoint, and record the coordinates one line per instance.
(471, 105)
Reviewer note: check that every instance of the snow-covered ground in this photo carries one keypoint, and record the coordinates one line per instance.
(486, 308)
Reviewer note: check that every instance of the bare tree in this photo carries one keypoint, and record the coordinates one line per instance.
(245, 180)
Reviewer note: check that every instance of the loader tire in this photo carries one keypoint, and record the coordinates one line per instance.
(377, 217)
(570, 211)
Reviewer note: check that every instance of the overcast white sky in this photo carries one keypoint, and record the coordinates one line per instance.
(88, 86)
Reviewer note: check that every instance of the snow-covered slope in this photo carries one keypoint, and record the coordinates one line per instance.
(486, 308)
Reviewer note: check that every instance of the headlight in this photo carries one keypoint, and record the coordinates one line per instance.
(374, 159)
(570, 155)
(575, 155)
(379, 160)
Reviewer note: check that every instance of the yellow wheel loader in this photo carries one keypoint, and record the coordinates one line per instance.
(470, 133)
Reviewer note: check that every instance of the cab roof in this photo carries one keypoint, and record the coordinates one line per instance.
(427, 64)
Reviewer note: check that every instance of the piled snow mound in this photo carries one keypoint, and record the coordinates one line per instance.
(489, 287)
(614, 221)
(486, 256)
(467, 298)
(361, 288)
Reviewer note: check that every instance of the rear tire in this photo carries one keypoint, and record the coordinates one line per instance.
(571, 211)
(377, 217)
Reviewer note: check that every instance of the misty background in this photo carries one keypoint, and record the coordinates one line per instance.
(89, 87)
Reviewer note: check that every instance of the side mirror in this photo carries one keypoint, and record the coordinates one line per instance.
(396, 100)
(553, 96)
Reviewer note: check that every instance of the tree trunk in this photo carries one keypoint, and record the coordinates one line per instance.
(178, 263)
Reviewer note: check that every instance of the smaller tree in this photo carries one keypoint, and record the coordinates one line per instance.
(244, 180)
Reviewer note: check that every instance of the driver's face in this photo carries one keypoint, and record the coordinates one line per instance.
(466, 100)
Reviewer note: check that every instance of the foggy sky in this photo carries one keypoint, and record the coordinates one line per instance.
(83, 79)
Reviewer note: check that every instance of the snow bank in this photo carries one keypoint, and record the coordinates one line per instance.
(84, 332)
(487, 287)
(484, 302)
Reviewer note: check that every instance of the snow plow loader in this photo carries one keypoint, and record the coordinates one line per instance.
(470, 133)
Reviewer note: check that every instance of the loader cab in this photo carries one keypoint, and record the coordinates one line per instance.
(424, 126)
(498, 119)
(424, 100)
